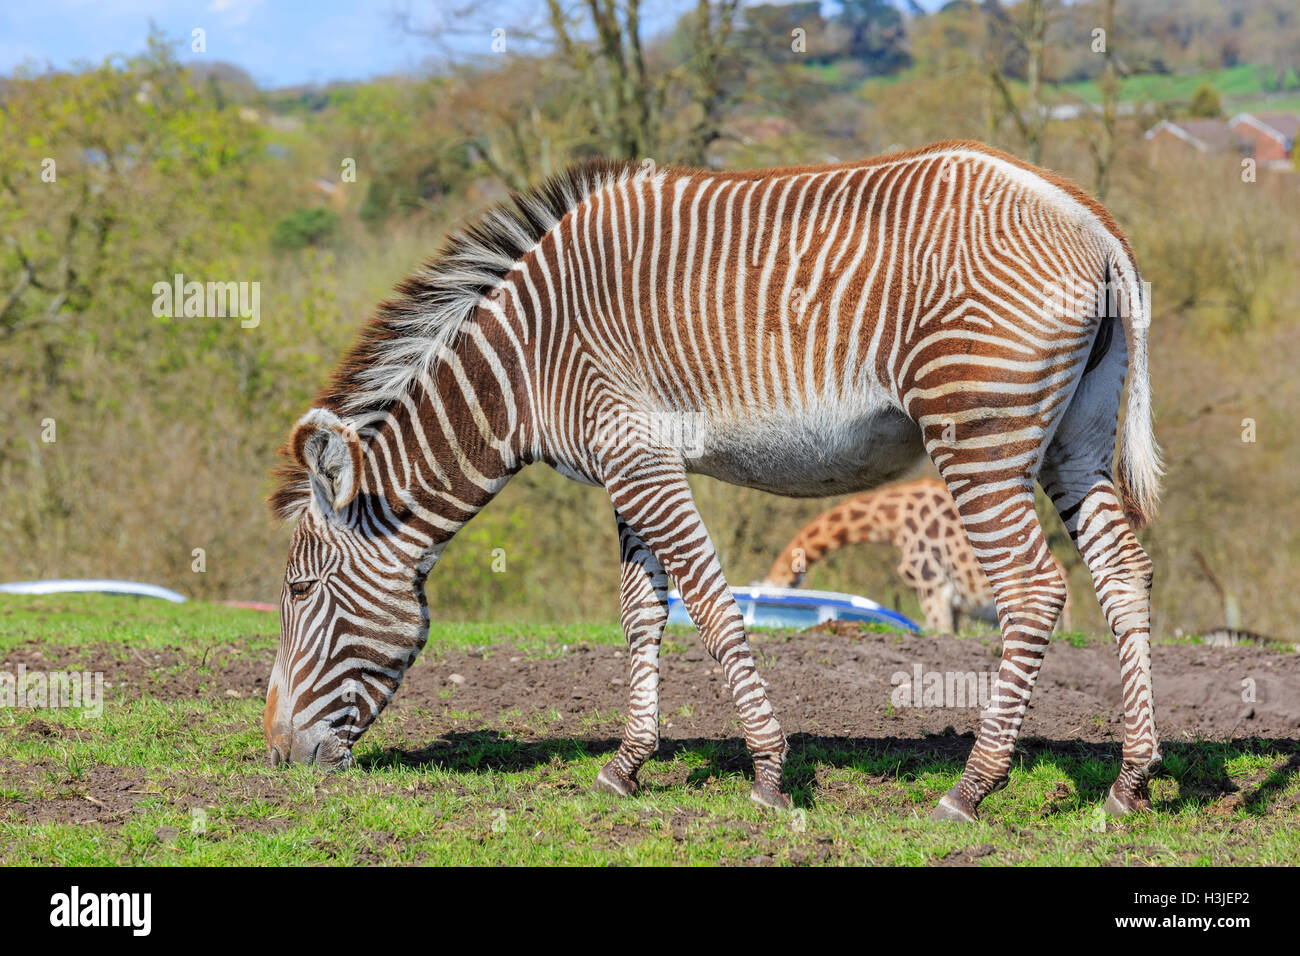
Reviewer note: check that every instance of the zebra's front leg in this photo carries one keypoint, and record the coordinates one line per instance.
(658, 507)
(643, 601)
(1029, 591)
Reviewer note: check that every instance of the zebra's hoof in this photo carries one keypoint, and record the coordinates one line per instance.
(769, 797)
(1118, 805)
(610, 780)
(953, 806)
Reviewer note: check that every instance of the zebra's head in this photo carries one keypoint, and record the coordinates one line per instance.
(352, 610)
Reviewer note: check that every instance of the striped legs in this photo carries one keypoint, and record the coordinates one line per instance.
(1029, 591)
(657, 506)
(643, 598)
(1077, 475)
(1121, 575)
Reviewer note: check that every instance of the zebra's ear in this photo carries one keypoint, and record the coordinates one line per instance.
(330, 451)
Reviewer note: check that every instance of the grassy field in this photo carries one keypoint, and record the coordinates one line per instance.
(1236, 85)
(176, 774)
(1233, 82)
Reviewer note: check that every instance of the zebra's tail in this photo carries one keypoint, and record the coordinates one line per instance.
(1140, 466)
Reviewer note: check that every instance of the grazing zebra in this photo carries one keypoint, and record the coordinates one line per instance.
(807, 331)
(935, 557)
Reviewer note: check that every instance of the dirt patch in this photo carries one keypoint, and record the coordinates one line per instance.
(836, 682)
(101, 795)
(166, 673)
(843, 685)
(836, 691)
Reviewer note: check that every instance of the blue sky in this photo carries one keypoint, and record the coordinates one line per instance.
(277, 41)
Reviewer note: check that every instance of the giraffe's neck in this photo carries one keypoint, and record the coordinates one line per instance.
(874, 517)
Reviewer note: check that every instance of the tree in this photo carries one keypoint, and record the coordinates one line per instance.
(1205, 102)
(1030, 32)
(876, 33)
(711, 30)
(1102, 144)
(598, 88)
(625, 98)
(93, 161)
(770, 30)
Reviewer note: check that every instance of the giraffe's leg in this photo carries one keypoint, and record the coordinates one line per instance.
(1121, 573)
(657, 506)
(643, 600)
(1063, 623)
(936, 606)
(948, 607)
(1029, 591)
(922, 572)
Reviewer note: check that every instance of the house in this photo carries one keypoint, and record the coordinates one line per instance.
(1271, 136)
(1206, 135)
(1267, 138)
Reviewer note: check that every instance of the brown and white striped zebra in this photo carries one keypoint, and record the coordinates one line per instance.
(807, 331)
(935, 558)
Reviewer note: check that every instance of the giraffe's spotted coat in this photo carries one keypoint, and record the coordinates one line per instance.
(935, 557)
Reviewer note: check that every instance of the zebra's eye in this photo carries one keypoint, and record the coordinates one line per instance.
(301, 588)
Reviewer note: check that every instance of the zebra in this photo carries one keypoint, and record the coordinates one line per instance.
(807, 331)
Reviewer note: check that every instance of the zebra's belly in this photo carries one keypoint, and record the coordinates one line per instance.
(825, 450)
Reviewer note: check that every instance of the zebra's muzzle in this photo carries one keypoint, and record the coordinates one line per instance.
(317, 745)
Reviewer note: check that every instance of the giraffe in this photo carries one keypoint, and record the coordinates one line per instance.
(805, 331)
(935, 557)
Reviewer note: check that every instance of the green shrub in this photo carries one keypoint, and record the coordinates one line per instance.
(1205, 102)
(305, 227)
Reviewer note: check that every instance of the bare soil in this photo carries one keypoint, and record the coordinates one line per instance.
(831, 688)
(839, 683)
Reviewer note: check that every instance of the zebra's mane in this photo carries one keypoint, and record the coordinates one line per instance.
(402, 343)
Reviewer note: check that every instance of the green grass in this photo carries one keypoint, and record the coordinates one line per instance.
(1288, 103)
(1241, 88)
(1230, 83)
(184, 782)
(137, 622)
(73, 619)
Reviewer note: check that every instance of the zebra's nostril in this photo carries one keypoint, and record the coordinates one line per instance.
(279, 744)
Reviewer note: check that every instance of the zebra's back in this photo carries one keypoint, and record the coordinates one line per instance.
(792, 325)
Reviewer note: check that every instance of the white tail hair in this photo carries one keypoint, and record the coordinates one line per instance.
(1140, 467)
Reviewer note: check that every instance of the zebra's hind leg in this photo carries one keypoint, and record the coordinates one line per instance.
(1121, 572)
(643, 601)
(657, 505)
(1029, 590)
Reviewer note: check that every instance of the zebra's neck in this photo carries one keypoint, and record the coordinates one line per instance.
(438, 455)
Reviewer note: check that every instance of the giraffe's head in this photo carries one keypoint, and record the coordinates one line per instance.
(352, 610)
